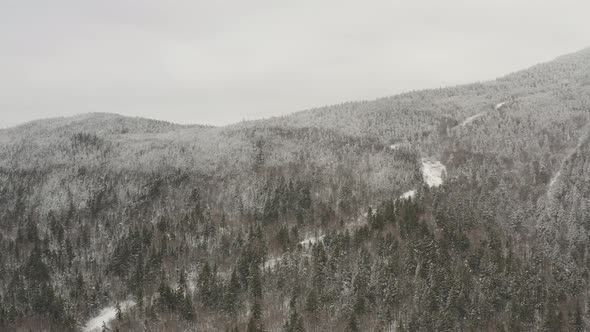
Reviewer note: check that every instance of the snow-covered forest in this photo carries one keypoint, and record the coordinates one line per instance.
(458, 209)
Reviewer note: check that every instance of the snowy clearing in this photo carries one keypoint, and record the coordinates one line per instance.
(105, 316)
(433, 172)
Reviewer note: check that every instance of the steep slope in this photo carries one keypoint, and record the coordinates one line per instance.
(410, 116)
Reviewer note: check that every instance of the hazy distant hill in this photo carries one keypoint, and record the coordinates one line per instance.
(210, 227)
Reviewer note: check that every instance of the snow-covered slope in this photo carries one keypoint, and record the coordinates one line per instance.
(433, 172)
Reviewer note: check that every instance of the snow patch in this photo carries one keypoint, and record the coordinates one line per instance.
(500, 105)
(554, 180)
(190, 281)
(310, 240)
(373, 212)
(272, 262)
(433, 172)
(408, 194)
(394, 146)
(360, 221)
(399, 146)
(105, 316)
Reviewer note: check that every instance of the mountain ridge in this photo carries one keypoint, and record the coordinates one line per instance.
(568, 58)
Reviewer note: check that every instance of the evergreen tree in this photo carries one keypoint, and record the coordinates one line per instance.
(255, 322)
(181, 285)
(294, 322)
(118, 312)
(232, 294)
(207, 286)
(352, 325)
(187, 310)
(167, 297)
(36, 270)
(255, 282)
(312, 303)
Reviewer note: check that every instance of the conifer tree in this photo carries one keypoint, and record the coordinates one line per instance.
(294, 322)
(118, 312)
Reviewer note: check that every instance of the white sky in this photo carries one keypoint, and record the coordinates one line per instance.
(218, 62)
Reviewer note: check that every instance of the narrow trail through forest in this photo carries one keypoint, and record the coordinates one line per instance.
(557, 176)
(479, 115)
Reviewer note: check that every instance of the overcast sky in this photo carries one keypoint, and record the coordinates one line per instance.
(218, 62)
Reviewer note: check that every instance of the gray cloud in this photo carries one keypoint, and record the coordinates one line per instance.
(219, 62)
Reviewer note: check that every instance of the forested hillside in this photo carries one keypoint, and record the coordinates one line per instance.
(331, 219)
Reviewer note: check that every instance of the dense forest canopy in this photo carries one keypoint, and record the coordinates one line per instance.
(321, 220)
